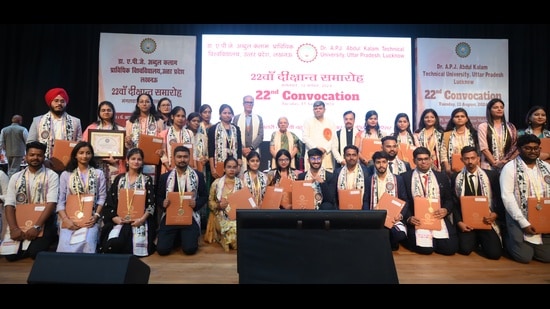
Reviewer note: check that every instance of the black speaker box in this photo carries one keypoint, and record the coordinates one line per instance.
(88, 268)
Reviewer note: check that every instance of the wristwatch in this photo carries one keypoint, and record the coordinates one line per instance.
(37, 227)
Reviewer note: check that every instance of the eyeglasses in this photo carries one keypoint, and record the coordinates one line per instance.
(248, 102)
(283, 160)
(315, 159)
(530, 149)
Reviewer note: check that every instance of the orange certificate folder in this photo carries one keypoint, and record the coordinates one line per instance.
(150, 144)
(370, 146)
(474, 208)
(303, 195)
(240, 199)
(272, 197)
(131, 204)
(286, 184)
(61, 154)
(393, 207)
(423, 209)
(458, 165)
(79, 208)
(220, 170)
(350, 199)
(26, 216)
(179, 212)
(538, 213)
(545, 146)
(405, 153)
(191, 158)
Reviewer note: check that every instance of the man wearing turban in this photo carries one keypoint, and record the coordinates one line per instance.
(56, 124)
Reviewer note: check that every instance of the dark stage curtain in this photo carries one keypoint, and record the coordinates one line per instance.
(37, 57)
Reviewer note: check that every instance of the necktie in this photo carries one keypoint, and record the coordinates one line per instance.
(391, 167)
(426, 177)
(472, 184)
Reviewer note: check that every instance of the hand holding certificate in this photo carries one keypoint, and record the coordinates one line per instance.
(423, 209)
(178, 211)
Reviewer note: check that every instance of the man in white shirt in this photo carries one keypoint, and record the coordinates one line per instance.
(320, 132)
(522, 178)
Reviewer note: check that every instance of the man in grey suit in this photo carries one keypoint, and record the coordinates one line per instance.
(13, 140)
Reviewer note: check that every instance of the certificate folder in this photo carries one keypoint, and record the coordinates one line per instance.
(458, 165)
(369, 146)
(539, 217)
(179, 212)
(286, 184)
(423, 209)
(79, 208)
(27, 215)
(150, 144)
(135, 208)
(393, 207)
(303, 195)
(220, 169)
(350, 199)
(61, 154)
(405, 153)
(240, 199)
(474, 208)
(272, 197)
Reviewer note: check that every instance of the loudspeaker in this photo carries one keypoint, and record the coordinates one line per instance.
(88, 268)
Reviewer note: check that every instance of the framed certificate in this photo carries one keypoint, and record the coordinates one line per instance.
(107, 142)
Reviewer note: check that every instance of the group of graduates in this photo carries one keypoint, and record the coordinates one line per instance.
(128, 204)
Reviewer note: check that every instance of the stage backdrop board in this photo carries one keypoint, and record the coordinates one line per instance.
(465, 73)
(161, 65)
(286, 74)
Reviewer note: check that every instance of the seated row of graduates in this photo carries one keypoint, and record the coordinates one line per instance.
(119, 232)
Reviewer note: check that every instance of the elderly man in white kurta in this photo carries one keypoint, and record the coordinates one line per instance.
(252, 129)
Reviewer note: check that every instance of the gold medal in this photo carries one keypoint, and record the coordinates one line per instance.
(127, 218)
(79, 214)
(539, 207)
(181, 212)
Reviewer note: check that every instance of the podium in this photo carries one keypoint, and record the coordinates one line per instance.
(314, 247)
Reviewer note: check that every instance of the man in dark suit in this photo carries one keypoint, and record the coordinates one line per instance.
(382, 181)
(424, 182)
(346, 135)
(396, 166)
(322, 180)
(352, 175)
(473, 180)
